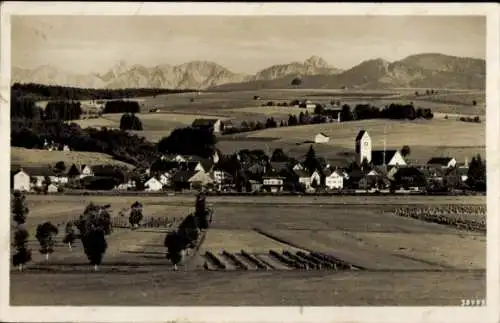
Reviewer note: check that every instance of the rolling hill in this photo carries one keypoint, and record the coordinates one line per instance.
(423, 70)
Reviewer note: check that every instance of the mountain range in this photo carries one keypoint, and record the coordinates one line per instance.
(428, 70)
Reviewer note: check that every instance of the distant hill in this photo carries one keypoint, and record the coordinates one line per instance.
(416, 71)
(423, 70)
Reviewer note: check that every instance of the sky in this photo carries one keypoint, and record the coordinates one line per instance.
(85, 44)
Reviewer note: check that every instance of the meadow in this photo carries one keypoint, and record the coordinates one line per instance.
(416, 258)
(40, 157)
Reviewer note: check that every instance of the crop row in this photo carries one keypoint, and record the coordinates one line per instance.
(466, 221)
(274, 261)
(446, 209)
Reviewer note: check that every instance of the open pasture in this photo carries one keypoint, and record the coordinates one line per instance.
(41, 157)
(426, 138)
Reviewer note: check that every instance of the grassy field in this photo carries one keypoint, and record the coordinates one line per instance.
(155, 125)
(426, 138)
(415, 258)
(40, 157)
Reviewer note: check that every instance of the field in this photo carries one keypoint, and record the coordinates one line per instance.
(156, 125)
(40, 157)
(403, 261)
(426, 138)
(437, 137)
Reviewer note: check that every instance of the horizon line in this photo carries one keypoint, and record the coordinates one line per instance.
(61, 69)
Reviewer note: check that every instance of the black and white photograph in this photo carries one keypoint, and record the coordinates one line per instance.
(250, 155)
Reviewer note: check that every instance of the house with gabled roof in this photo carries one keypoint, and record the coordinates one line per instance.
(303, 178)
(153, 184)
(273, 181)
(388, 158)
(334, 179)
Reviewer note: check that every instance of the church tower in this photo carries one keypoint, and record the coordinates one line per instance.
(363, 146)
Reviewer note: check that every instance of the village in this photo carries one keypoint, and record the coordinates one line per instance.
(375, 171)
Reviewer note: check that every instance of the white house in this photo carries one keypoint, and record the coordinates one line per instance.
(443, 162)
(21, 181)
(52, 188)
(298, 166)
(274, 183)
(304, 178)
(165, 178)
(221, 176)
(335, 180)
(86, 170)
(321, 138)
(153, 185)
(201, 178)
(66, 148)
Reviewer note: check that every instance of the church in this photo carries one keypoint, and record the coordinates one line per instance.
(363, 148)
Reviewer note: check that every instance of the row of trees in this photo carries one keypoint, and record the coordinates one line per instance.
(188, 232)
(367, 111)
(323, 115)
(91, 228)
(129, 121)
(52, 92)
(122, 106)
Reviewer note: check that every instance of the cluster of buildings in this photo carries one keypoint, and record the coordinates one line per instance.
(373, 170)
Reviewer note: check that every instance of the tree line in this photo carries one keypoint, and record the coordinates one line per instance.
(346, 113)
(55, 92)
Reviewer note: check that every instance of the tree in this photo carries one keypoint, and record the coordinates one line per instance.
(19, 209)
(60, 167)
(174, 243)
(405, 151)
(45, 234)
(23, 254)
(136, 216)
(94, 246)
(346, 113)
(296, 81)
(201, 212)
(188, 141)
(311, 162)
(476, 175)
(70, 236)
(279, 156)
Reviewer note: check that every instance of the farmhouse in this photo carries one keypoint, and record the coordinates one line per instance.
(213, 125)
(52, 188)
(334, 180)
(221, 176)
(20, 181)
(321, 138)
(153, 185)
(407, 177)
(85, 171)
(303, 178)
(273, 182)
(444, 162)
